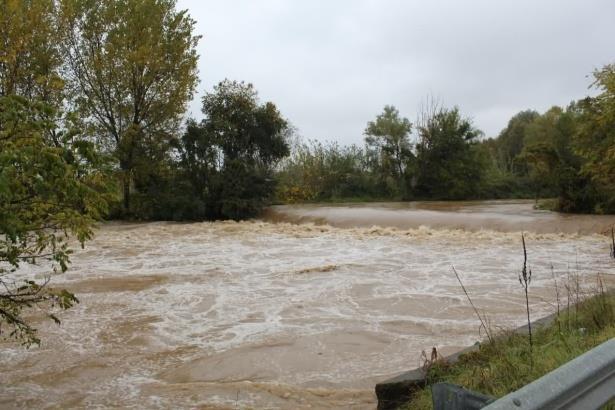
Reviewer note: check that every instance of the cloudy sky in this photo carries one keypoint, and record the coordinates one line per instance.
(331, 65)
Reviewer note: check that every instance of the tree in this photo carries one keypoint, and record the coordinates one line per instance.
(133, 68)
(595, 139)
(199, 159)
(29, 52)
(542, 162)
(226, 162)
(53, 182)
(252, 138)
(30, 56)
(448, 163)
(48, 194)
(389, 136)
(547, 156)
(512, 138)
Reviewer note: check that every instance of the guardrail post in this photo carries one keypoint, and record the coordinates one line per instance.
(447, 396)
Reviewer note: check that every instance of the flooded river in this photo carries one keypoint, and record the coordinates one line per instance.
(307, 308)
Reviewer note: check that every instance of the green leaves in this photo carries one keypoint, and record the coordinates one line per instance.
(133, 65)
(595, 139)
(389, 140)
(448, 164)
(47, 195)
(230, 156)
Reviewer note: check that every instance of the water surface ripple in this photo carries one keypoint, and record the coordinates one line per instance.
(272, 314)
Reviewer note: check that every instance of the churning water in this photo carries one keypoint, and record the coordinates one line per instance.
(308, 308)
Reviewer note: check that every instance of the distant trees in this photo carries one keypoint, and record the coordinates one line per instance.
(446, 163)
(542, 162)
(249, 138)
(317, 171)
(512, 139)
(565, 153)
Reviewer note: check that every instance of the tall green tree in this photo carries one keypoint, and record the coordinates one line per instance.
(53, 182)
(223, 166)
(30, 56)
(595, 139)
(252, 138)
(511, 140)
(449, 164)
(389, 137)
(133, 68)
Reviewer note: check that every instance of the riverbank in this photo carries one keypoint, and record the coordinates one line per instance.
(507, 363)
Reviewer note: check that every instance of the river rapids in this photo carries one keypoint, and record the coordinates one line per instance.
(308, 307)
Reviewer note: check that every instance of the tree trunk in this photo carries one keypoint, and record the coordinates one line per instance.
(126, 187)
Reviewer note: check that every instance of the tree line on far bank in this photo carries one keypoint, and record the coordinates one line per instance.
(564, 153)
(243, 156)
(116, 77)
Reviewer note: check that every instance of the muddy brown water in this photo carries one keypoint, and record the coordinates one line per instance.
(307, 308)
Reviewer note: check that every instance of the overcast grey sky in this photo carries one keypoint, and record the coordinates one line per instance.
(331, 65)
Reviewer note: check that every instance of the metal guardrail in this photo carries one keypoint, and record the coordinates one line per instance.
(586, 382)
(447, 396)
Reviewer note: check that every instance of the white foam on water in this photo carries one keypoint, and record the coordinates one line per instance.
(168, 309)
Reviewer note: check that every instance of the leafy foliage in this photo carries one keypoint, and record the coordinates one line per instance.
(53, 183)
(30, 56)
(448, 166)
(48, 193)
(318, 171)
(565, 153)
(511, 140)
(223, 166)
(595, 140)
(133, 68)
(249, 139)
(388, 145)
(446, 163)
